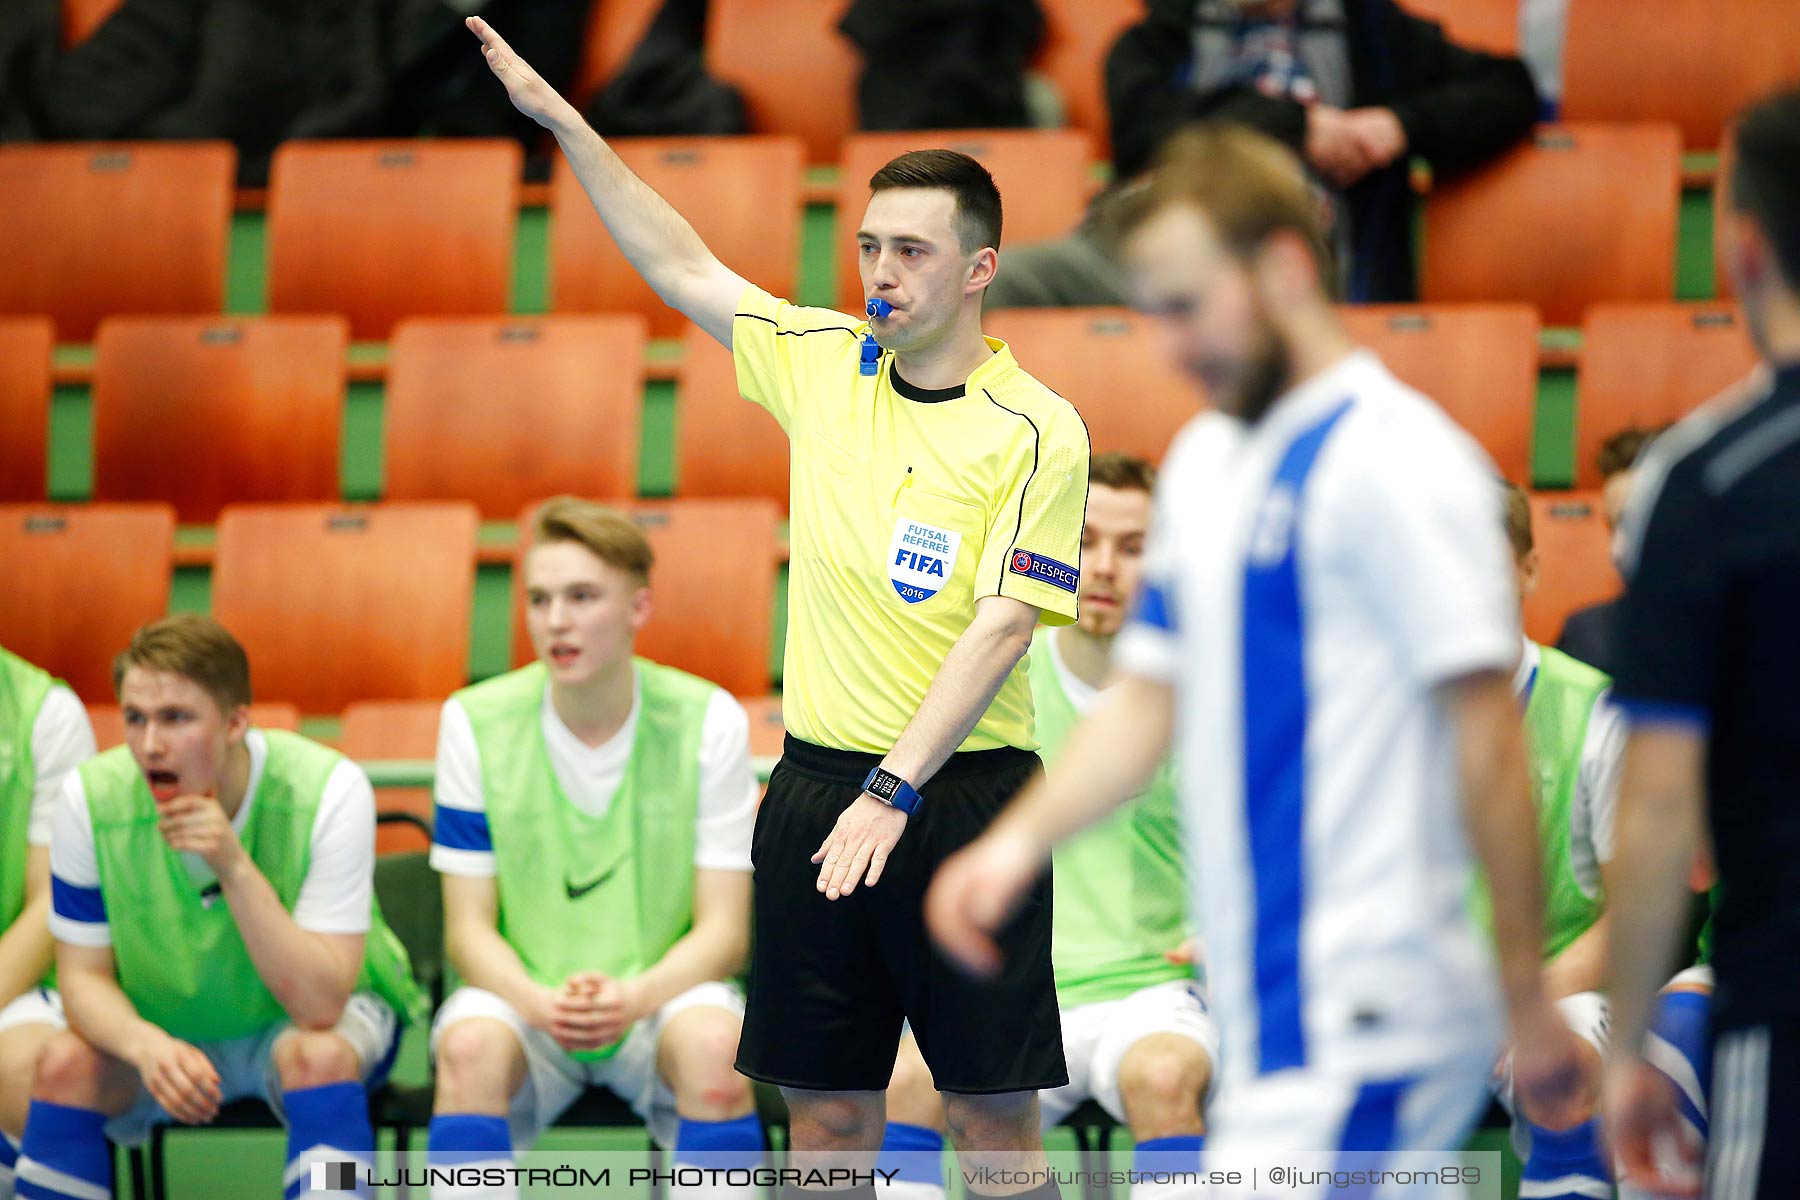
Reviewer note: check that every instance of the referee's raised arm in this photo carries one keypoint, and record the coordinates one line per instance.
(656, 240)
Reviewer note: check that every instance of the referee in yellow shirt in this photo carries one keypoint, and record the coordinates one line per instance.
(937, 500)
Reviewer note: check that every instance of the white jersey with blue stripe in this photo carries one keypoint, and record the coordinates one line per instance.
(1310, 580)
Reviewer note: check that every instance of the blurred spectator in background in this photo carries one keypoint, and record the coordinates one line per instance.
(1588, 633)
(963, 65)
(259, 72)
(1356, 87)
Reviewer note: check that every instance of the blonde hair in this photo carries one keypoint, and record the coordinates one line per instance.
(1247, 184)
(193, 647)
(1518, 520)
(608, 534)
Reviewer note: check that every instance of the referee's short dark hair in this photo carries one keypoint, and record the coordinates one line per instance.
(1765, 176)
(977, 199)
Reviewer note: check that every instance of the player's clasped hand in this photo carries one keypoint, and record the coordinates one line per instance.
(198, 825)
(865, 834)
(591, 1010)
(1641, 1118)
(181, 1079)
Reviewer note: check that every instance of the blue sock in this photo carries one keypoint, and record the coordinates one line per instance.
(9, 1163)
(722, 1144)
(459, 1138)
(64, 1156)
(1178, 1153)
(1680, 1046)
(327, 1125)
(914, 1153)
(1567, 1164)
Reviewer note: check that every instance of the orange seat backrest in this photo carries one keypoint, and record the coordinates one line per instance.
(1078, 34)
(1478, 361)
(742, 196)
(502, 411)
(202, 412)
(109, 720)
(381, 230)
(377, 730)
(725, 446)
(1490, 25)
(95, 229)
(1582, 214)
(1108, 364)
(1693, 62)
(796, 72)
(1044, 177)
(1575, 566)
(80, 579)
(1645, 365)
(713, 587)
(82, 17)
(26, 344)
(615, 27)
(337, 604)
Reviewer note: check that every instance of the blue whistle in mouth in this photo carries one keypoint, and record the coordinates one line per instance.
(871, 350)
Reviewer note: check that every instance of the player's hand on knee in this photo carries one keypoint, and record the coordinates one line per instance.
(1547, 1064)
(974, 893)
(524, 86)
(181, 1079)
(1642, 1125)
(865, 834)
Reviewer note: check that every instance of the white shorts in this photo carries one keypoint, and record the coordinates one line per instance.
(246, 1065)
(555, 1079)
(1310, 1111)
(1096, 1038)
(38, 1006)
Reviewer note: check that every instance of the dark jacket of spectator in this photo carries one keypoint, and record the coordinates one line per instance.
(1458, 107)
(943, 64)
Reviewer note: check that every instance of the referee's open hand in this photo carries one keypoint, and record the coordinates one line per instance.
(524, 86)
(865, 834)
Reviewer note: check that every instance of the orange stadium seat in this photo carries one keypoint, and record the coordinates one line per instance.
(796, 72)
(1584, 213)
(394, 729)
(109, 720)
(1491, 25)
(1574, 561)
(1694, 62)
(1078, 34)
(502, 411)
(1108, 364)
(339, 604)
(615, 27)
(741, 194)
(1644, 365)
(82, 17)
(202, 412)
(95, 229)
(1043, 176)
(766, 729)
(381, 230)
(1479, 361)
(25, 347)
(714, 587)
(80, 579)
(725, 446)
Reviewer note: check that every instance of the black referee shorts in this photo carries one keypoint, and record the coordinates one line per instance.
(1753, 1145)
(832, 980)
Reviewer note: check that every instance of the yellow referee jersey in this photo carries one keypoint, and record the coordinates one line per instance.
(906, 507)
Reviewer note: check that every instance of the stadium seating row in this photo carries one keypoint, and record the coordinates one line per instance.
(384, 230)
(383, 593)
(200, 413)
(1694, 62)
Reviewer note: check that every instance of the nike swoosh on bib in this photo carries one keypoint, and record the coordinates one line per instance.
(577, 891)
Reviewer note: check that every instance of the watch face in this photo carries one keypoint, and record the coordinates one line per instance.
(884, 786)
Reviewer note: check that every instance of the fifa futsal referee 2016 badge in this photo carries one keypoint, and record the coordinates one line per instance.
(1045, 570)
(920, 559)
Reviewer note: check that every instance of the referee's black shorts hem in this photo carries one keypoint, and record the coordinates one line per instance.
(832, 981)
